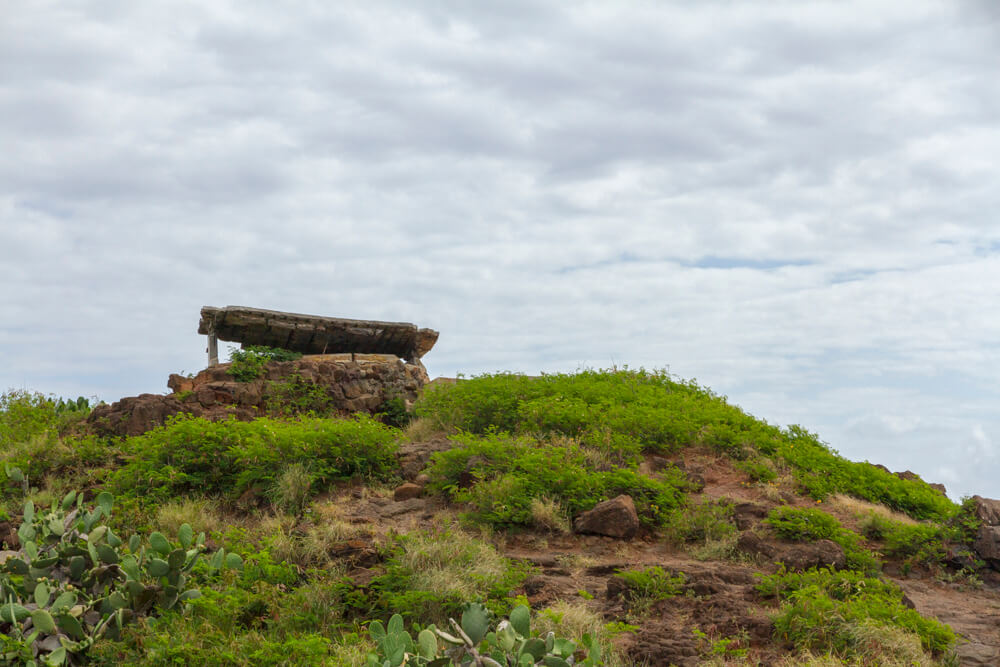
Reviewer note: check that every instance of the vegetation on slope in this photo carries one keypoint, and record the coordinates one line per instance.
(526, 454)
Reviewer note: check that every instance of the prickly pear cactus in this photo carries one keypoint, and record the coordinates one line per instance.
(509, 644)
(74, 580)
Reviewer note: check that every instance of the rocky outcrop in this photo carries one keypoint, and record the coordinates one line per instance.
(343, 384)
(987, 544)
(821, 553)
(614, 518)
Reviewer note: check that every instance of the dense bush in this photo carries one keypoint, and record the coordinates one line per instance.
(432, 575)
(499, 475)
(229, 457)
(247, 364)
(626, 412)
(648, 407)
(821, 472)
(821, 609)
(809, 524)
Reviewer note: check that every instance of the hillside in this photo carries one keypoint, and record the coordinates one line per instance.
(641, 518)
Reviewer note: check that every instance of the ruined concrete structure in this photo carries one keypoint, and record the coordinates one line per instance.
(312, 334)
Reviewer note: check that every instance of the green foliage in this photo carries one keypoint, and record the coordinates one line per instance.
(810, 524)
(431, 575)
(624, 412)
(296, 396)
(647, 407)
(653, 583)
(758, 469)
(477, 640)
(701, 522)
(916, 543)
(500, 475)
(821, 609)
(394, 413)
(822, 472)
(229, 457)
(25, 415)
(82, 582)
(248, 363)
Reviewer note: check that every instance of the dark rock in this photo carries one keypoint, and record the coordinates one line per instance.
(414, 456)
(360, 553)
(695, 480)
(987, 544)
(617, 587)
(657, 463)
(975, 654)
(821, 553)
(746, 515)
(8, 535)
(252, 498)
(468, 477)
(615, 518)
(407, 491)
(604, 569)
(403, 507)
(987, 510)
(755, 545)
(134, 415)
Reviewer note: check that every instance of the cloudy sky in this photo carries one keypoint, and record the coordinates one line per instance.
(793, 202)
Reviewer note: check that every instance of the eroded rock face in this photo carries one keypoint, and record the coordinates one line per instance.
(987, 544)
(361, 384)
(614, 518)
(821, 553)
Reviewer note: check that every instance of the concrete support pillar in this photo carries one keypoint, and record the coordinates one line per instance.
(213, 349)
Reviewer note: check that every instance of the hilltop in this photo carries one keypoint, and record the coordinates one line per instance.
(284, 511)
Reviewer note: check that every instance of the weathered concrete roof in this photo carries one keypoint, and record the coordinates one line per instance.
(313, 334)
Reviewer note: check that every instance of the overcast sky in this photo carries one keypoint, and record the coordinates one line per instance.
(793, 202)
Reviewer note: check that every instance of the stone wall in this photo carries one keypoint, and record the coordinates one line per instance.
(350, 383)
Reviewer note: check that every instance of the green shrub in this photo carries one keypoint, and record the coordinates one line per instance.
(500, 475)
(431, 575)
(651, 408)
(821, 472)
(821, 610)
(247, 364)
(229, 457)
(624, 411)
(704, 521)
(920, 543)
(654, 583)
(809, 524)
(297, 396)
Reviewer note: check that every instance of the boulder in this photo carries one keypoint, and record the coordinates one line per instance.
(987, 544)
(614, 518)
(987, 510)
(134, 415)
(821, 553)
(746, 515)
(753, 544)
(407, 491)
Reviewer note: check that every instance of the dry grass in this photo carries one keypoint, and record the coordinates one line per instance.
(201, 513)
(312, 544)
(451, 562)
(855, 507)
(292, 489)
(423, 429)
(575, 619)
(548, 514)
(576, 563)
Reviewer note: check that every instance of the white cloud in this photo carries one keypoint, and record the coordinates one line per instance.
(792, 202)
